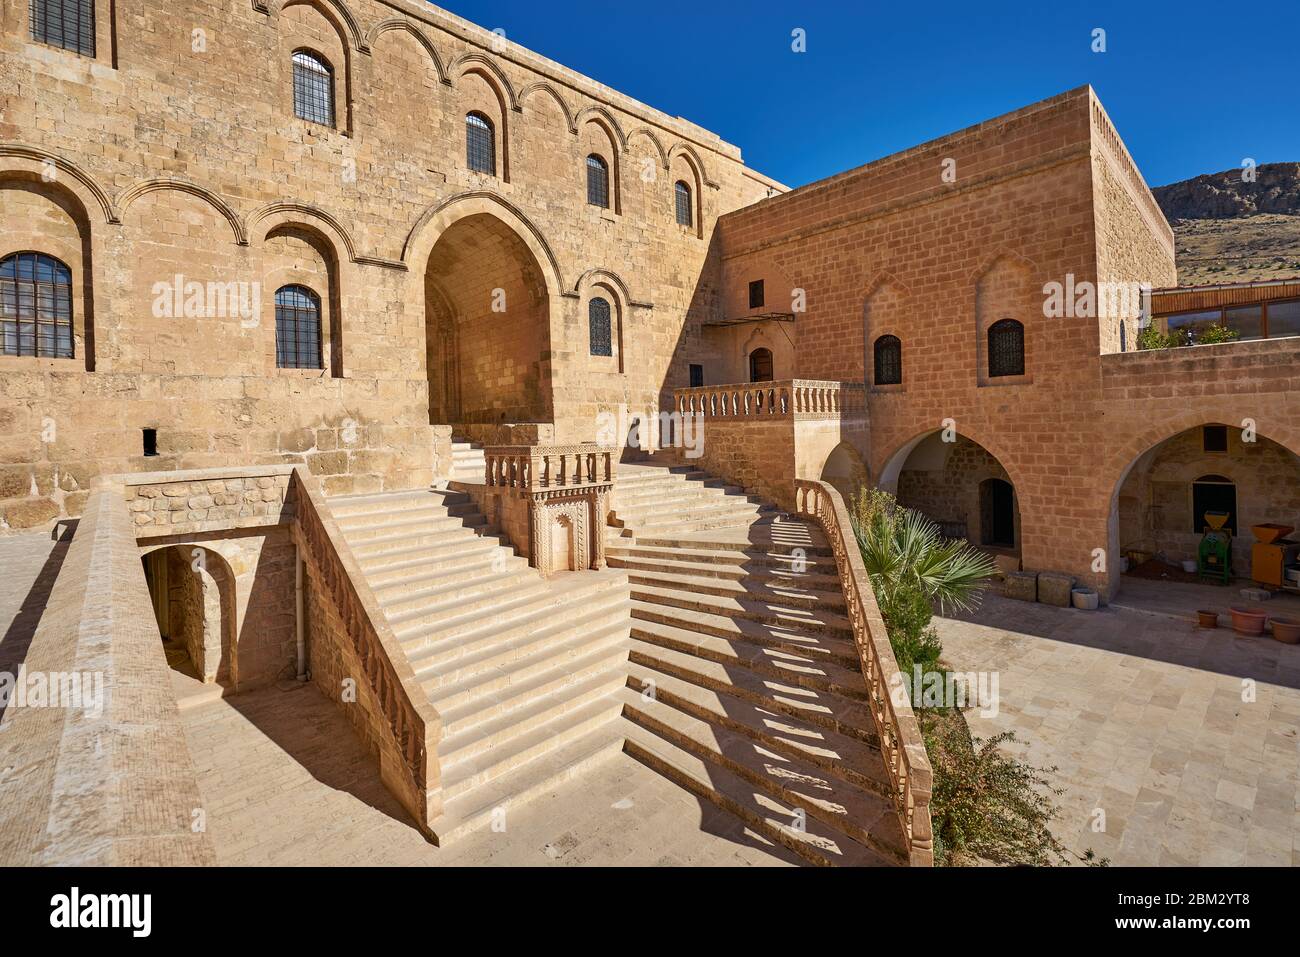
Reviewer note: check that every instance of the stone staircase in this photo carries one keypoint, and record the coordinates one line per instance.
(744, 684)
(468, 465)
(527, 674)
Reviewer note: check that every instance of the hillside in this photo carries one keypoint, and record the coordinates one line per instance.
(1230, 230)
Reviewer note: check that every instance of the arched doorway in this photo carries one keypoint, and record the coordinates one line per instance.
(760, 365)
(487, 327)
(959, 485)
(1160, 500)
(192, 592)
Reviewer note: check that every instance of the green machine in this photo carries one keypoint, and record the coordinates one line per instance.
(1215, 555)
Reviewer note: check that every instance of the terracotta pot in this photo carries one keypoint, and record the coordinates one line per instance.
(1286, 630)
(1207, 619)
(1247, 622)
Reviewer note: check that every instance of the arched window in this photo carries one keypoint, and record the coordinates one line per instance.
(685, 210)
(760, 365)
(597, 182)
(35, 306)
(297, 328)
(68, 24)
(889, 361)
(480, 144)
(313, 88)
(1006, 348)
(600, 326)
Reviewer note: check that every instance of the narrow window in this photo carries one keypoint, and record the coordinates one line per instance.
(597, 182)
(35, 307)
(889, 361)
(297, 329)
(756, 297)
(1214, 438)
(313, 88)
(68, 24)
(480, 144)
(150, 437)
(1006, 349)
(600, 326)
(697, 376)
(685, 210)
(760, 365)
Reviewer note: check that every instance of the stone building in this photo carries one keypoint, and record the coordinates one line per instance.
(272, 269)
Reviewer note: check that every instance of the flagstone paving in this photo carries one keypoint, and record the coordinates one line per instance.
(1151, 722)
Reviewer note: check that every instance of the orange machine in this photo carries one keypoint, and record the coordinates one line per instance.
(1272, 554)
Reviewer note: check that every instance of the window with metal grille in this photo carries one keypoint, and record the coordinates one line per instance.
(1006, 349)
(760, 365)
(685, 211)
(756, 296)
(480, 144)
(889, 361)
(597, 182)
(599, 321)
(69, 24)
(313, 88)
(35, 307)
(297, 329)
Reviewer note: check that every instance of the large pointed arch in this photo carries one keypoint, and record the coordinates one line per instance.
(483, 65)
(44, 158)
(341, 11)
(128, 197)
(405, 26)
(540, 87)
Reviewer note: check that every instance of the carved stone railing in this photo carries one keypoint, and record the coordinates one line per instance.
(901, 744)
(552, 502)
(526, 469)
(792, 398)
(412, 723)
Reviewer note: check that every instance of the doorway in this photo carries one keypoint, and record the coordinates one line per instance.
(997, 514)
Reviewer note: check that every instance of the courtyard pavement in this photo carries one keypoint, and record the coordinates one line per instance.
(285, 782)
(1143, 714)
(29, 563)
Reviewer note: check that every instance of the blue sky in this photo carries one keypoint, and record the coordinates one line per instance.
(1193, 87)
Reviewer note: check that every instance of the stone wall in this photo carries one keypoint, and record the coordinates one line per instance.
(176, 153)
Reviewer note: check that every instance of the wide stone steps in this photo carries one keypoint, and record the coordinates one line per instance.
(411, 617)
(854, 811)
(783, 822)
(423, 575)
(348, 506)
(430, 556)
(438, 598)
(745, 589)
(847, 757)
(635, 561)
(807, 619)
(732, 562)
(448, 536)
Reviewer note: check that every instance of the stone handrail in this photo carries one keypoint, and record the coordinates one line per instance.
(791, 398)
(526, 469)
(901, 743)
(412, 721)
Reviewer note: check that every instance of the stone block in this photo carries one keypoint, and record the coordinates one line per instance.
(1022, 586)
(1054, 588)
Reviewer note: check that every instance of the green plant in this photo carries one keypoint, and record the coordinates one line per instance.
(1212, 334)
(987, 805)
(1152, 338)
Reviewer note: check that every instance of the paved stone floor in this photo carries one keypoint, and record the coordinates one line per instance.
(29, 563)
(1143, 713)
(285, 782)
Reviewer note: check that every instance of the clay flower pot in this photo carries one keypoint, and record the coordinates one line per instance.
(1247, 622)
(1207, 619)
(1286, 630)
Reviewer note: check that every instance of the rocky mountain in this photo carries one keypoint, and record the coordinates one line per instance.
(1231, 228)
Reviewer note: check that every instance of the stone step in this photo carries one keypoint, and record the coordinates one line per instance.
(453, 661)
(436, 555)
(483, 767)
(500, 730)
(750, 588)
(473, 684)
(399, 528)
(464, 705)
(745, 562)
(346, 505)
(402, 542)
(798, 641)
(510, 792)
(413, 614)
(855, 812)
(807, 836)
(532, 611)
(634, 560)
(425, 575)
(818, 702)
(684, 492)
(759, 539)
(673, 512)
(810, 620)
(404, 509)
(463, 595)
(852, 759)
(809, 658)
